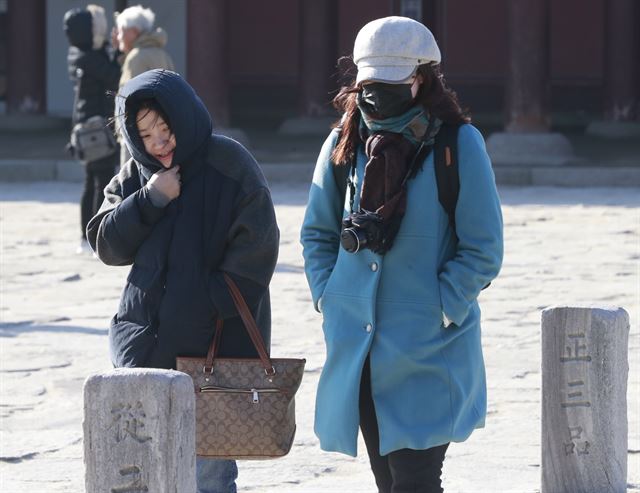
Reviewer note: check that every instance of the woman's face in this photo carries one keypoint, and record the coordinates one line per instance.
(126, 38)
(156, 135)
(380, 100)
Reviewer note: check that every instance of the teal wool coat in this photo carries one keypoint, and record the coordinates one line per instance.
(428, 381)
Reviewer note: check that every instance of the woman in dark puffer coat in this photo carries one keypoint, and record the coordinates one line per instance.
(94, 72)
(188, 208)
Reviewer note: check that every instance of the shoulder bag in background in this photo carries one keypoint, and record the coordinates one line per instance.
(92, 140)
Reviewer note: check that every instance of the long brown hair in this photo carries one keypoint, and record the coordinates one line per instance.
(439, 100)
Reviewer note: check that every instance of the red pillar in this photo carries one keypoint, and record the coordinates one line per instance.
(119, 5)
(433, 16)
(318, 32)
(622, 60)
(207, 65)
(26, 76)
(527, 79)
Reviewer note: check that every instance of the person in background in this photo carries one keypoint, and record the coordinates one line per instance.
(188, 208)
(143, 48)
(94, 72)
(400, 313)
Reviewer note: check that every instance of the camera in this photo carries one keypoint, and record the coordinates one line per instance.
(362, 230)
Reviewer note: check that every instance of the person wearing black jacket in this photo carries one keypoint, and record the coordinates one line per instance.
(94, 72)
(188, 208)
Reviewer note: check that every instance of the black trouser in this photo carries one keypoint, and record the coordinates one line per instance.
(97, 175)
(402, 471)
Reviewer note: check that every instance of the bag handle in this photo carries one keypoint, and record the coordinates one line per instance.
(213, 348)
(250, 325)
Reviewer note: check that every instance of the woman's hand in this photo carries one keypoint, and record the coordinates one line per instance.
(164, 186)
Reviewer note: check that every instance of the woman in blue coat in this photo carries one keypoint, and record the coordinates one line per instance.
(398, 285)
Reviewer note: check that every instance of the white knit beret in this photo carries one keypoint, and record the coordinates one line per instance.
(390, 49)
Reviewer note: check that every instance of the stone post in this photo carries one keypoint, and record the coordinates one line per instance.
(139, 431)
(584, 399)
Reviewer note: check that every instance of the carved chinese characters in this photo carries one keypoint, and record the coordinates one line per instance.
(139, 432)
(584, 415)
(129, 420)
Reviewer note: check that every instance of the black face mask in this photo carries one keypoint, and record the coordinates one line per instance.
(380, 100)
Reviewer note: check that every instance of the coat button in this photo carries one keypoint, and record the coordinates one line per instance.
(368, 327)
(374, 266)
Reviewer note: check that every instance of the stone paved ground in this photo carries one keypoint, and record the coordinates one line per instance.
(563, 246)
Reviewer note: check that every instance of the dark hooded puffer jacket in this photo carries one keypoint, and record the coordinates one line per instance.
(94, 73)
(223, 221)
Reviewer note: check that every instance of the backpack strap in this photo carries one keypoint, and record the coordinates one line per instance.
(447, 174)
(446, 169)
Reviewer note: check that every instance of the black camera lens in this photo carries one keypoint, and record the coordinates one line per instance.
(361, 230)
(352, 240)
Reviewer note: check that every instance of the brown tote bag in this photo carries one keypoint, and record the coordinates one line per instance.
(245, 408)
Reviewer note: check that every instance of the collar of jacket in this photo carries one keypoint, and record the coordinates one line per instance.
(153, 39)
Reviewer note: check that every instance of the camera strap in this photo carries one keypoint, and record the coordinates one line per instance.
(351, 184)
(419, 156)
(445, 157)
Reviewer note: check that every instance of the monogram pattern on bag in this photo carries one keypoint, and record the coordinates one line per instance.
(254, 417)
(235, 426)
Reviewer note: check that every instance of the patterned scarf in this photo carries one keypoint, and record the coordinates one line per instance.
(392, 146)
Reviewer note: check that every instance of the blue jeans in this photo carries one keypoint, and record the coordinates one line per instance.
(216, 475)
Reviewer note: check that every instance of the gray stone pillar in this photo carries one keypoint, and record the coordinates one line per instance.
(584, 400)
(139, 431)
